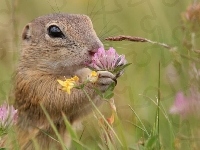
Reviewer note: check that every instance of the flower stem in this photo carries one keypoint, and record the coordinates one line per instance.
(102, 116)
(140, 120)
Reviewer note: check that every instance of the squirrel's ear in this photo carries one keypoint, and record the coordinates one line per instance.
(26, 34)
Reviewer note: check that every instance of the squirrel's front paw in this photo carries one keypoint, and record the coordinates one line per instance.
(105, 79)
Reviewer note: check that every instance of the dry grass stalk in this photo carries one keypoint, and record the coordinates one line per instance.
(136, 39)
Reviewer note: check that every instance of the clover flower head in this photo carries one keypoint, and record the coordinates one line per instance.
(107, 60)
(181, 105)
(8, 115)
(191, 17)
(193, 12)
(68, 84)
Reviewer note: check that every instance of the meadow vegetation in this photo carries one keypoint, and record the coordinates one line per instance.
(157, 98)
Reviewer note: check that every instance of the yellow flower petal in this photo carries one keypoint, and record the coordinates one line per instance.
(61, 82)
(94, 74)
(68, 84)
(93, 77)
(66, 90)
(75, 78)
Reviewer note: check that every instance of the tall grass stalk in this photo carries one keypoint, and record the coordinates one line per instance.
(107, 138)
(120, 142)
(157, 121)
(35, 143)
(162, 109)
(53, 127)
(144, 128)
(136, 125)
(73, 134)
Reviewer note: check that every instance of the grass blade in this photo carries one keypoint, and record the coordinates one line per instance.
(54, 128)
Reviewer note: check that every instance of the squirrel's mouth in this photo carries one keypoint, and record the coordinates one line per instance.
(91, 53)
(88, 60)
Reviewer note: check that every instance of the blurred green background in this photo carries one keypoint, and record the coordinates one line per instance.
(156, 20)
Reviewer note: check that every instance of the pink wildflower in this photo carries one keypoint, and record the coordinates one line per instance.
(8, 115)
(107, 60)
(181, 105)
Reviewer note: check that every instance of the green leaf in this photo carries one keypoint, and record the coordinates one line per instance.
(108, 95)
(111, 87)
(98, 92)
(119, 68)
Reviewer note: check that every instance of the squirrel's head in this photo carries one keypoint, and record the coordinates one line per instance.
(58, 43)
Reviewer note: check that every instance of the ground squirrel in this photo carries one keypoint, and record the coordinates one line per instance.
(54, 46)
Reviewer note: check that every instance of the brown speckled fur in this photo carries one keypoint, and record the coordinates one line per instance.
(43, 60)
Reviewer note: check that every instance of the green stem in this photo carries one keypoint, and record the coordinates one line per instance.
(136, 125)
(140, 121)
(158, 110)
(162, 109)
(53, 127)
(102, 117)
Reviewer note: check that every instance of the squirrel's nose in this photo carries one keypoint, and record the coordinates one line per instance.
(94, 48)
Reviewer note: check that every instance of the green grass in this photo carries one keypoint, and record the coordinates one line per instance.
(145, 92)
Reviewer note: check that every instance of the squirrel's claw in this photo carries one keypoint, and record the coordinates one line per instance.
(105, 79)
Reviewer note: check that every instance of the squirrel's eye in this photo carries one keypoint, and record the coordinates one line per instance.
(55, 32)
